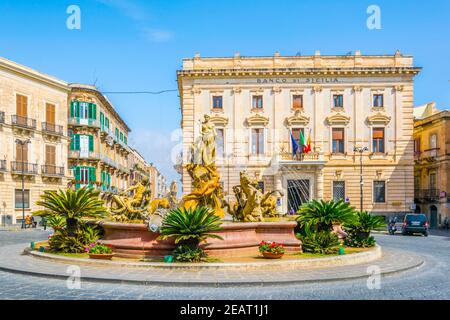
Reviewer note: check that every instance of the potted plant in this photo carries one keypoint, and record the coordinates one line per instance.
(99, 251)
(271, 250)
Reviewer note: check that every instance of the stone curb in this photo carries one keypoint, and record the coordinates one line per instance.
(212, 278)
(344, 260)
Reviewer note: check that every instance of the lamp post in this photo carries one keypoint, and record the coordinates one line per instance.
(22, 144)
(360, 150)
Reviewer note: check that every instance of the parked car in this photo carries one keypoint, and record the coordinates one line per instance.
(415, 223)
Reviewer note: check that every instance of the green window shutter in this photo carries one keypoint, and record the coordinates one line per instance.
(117, 134)
(121, 136)
(74, 109)
(75, 142)
(94, 111)
(91, 143)
(102, 120)
(125, 139)
(77, 174)
(107, 122)
(91, 174)
(108, 179)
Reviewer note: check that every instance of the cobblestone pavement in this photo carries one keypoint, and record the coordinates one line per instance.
(429, 282)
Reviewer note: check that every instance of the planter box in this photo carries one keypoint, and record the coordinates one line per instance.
(270, 255)
(101, 256)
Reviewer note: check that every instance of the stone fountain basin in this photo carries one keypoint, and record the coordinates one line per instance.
(239, 239)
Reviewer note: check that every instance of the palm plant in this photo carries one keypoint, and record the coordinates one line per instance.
(190, 227)
(56, 222)
(322, 215)
(359, 230)
(72, 206)
(321, 242)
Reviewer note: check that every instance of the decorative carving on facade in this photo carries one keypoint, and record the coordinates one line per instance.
(338, 118)
(219, 120)
(298, 119)
(257, 120)
(378, 118)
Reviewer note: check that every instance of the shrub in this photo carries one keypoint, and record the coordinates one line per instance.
(56, 222)
(184, 253)
(190, 227)
(61, 241)
(321, 242)
(359, 230)
(317, 216)
(72, 206)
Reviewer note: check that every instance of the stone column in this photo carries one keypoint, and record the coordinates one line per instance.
(319, 184)
(398, 118)
(317, 118)
(279, 186)
(273, 136)
(357, 111)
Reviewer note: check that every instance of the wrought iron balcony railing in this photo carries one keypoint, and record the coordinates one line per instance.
(52, 170)
(426, 194)
(52, 128)
(77, 121)
(23, 122)
(300, 157)
(77, 154)
(430, 153)
(24, 167)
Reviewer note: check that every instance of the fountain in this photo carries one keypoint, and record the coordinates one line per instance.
(131, 240)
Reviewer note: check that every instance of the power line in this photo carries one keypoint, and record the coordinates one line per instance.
(140, 92)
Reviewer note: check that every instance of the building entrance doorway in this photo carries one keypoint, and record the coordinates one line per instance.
(433, 217)
(298, 193)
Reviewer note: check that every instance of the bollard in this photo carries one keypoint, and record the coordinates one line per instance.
(168, 259)
(32, 245)
(341, 251)
(41, 249)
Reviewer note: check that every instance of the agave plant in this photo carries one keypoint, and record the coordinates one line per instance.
(72, 206)
(321, 215)
(190, 227)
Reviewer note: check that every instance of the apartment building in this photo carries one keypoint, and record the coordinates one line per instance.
(33, 138)
(432, 163)
(260, 105)
(98, 154)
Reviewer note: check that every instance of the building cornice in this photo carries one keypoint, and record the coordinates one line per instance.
(440, 116)
(87, 89)
(33, 75)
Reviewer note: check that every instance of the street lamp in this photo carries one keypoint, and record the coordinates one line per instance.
(22, 144)
(360, 150)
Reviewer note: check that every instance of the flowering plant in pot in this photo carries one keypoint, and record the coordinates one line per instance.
(99, 251)
(271, 250)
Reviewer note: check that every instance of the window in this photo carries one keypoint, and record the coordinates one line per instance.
(417, 146)
(217, 102)
(433, 141)
(21, 105)
(379, 191)
(50, 155)
(378, 140)
(257, 141)
(257, 102)
(50, 113)
(21, 153)
(378, 101)
(220, 143)
(338, 140)
(26, 198)
(84, 176)
(297, 102)
(338, 101)
(432, 181)
(338, 190)
(117, 133)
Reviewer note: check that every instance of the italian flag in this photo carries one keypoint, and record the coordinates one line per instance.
(306, 145)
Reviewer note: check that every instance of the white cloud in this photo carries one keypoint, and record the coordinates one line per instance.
(155, 35)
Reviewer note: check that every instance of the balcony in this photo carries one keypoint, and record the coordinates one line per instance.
(107, 161)
(19, 167)
(426, 195)
(80, 122)
(124, 169)
(52, 170)
(2, 117)
(77, 154)
(23, 122)
(2, 165)
(52, 129)
(303, 158)
(430, 155)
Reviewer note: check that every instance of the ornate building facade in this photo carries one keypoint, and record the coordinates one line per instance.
(98, 153)
(260, 104)
(432, 163)
(33, 139)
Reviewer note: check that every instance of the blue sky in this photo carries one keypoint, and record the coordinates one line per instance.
(138, 46)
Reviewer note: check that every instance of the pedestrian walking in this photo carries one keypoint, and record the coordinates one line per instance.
(446, 223)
